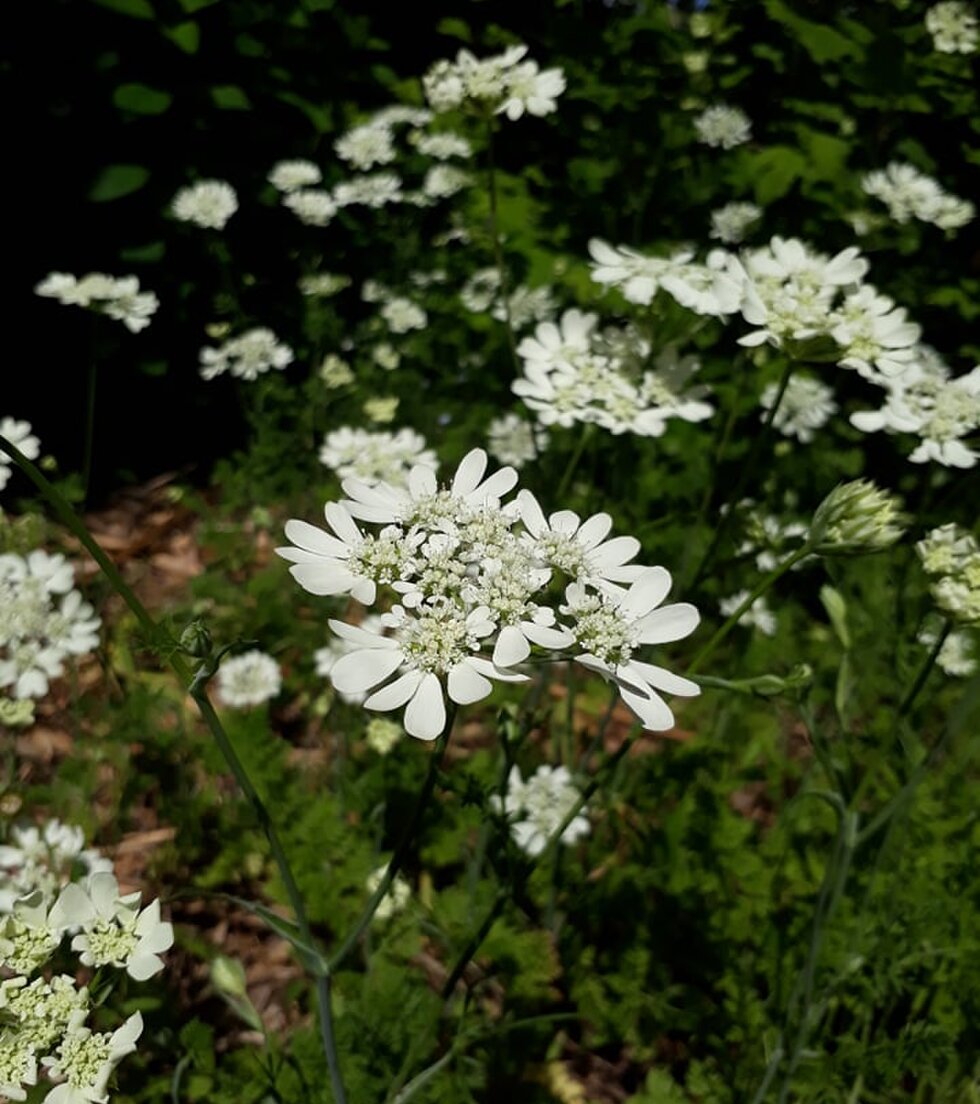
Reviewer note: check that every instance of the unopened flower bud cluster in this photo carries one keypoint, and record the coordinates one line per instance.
(478, 587)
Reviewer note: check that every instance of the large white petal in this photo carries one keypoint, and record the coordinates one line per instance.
(595, 530)
(663, 679)
(531, 513)
(564, 521)
(466, 685)
(422, 481)
(312, 539)
(323, 577)
(614, 553)
(361, 670)
(654, 713)
(495, 487)
(363, 638)
(395, 694)
(646, 593)
(340, 521)
(511, 647)
(670, 623)
(546, 636)
(425, 717)
(469, 473)
(485, 667)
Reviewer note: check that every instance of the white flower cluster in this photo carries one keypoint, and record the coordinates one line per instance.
(375, 457)
(206, 203)
(45, 860)
(954, 27)
(247, 356)
(951, 558)
(474, 582)
(938, 409)
(910, 194)
(536, 808)
(43, 620)
(365, 147)
(117, 297)
(513, 440)
(323, 285)
(18, 433)
(521, 307)
(757, 616)
(806, 406)
(44, 1013)
(249, 679)
(398, 895)
(503, 84)
(576, 373)
(731, 222)
(957, 653)
(723, 125)
(713, 288)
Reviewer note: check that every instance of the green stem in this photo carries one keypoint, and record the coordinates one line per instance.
(747, 472)
(923, 673)
(401, 851)
(767, 581)
(88, 447)
(197, 686)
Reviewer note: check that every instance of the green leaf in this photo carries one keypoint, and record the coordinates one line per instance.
(138, 9)
(774, 171)
(318, 116)
(191, 6)
(821, 42)
(116, 181)
(229, 97)
(454, 28)
(141, 99)
(186, 36)
(833, 602)
(144, 254)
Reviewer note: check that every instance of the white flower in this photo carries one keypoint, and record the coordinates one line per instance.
(442, 181)
(288, 176)
(729, 223)
(402, 315)
(381, 735)
(637, 276)
(480, 290)
(401, 115)
(442, 145)
(375, 457)
(42, 859)
(807, 405)
(514, 441)
(525, 305)
(85, 1061)
(373, 190)
(398, 895)
(558, 346)
(19, 434)
(924, 400)
(908, 194)
(953, 27)
(18, 1065)
(346, 561)
(42, 621)
(208, 203)
(247, 356)
(723, 125)
(249, 679)
(531, 90)
(31, 932)
(323, 284)
(958, 653)
(432, 643)
(118, 297)
(610, 627)
(313, 206)
(386, 356)
(536, 808)
(758, 615)
(325, 658)
(366, 146)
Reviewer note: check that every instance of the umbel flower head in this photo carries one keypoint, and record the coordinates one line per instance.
(19, 434)
(536, 808)
(208, 204)
(476, 587)
(856, 518)
(951, 557)
(118, 297)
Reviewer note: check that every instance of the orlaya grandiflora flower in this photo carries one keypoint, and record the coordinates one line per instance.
(423, 501)
(114, 930)
(86, 1060)
(555, 344)
(579, 548)
(431, 643)
(610, 627)
(346, 561)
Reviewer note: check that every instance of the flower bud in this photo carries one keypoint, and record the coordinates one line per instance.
(854, 519)
(195, 640)
(228, 977)
(16, 714)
